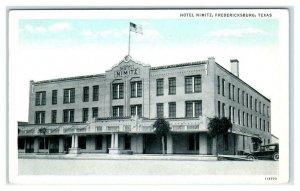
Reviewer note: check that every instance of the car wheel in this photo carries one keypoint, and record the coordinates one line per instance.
(250, 157)
(276, 156)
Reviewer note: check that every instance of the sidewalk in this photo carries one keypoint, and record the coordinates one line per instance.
(86, 156)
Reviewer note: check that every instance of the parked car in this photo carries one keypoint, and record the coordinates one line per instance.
(270, 151)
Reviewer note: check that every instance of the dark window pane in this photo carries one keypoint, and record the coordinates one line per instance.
(197, 84)
(95, 93)
(85, 114)
(85, 94)
(189, 109)
(95, 112)
(160, 110)
(172, 109)
(54, 97)
(172, 86)
(98, 142)
(188, 85)
(82, 142)
(159, 87)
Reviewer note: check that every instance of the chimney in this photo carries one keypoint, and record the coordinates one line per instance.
(234, 67)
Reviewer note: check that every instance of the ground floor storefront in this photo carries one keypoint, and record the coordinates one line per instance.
(137, 143)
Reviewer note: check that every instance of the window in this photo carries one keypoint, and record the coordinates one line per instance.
(247, 100)
(53, 116)
(85, 114)
(172, 109)
(263, 109)
(259, 123)
(239, 117)
(268, 126)
(229, 113)
(160, 87)
(193, 84)
(219, 109)
(223, 110)
(95, 112)
(268, 111)
(193, 108)
(219, 85)
(117, 111)
(233, 93)
(68, 115)
(136, 110)
(69, 95)
(192, 142)
(172, 86)
(238, 95)
(136, 89)
(259, 107)
(40, 117)
(244, 145)
(226, 143)
(160, 110)
(54, 97)
(251, 120)
(243, 97)
(118, 91)
(247, 117)
(98, 142)
(229, 90)
(82, 142)
(243, 118)
(233, 111)
(95, 93)
(85, 94)
(40, 98)
(223, 87)
(264, 125)
(255, 105)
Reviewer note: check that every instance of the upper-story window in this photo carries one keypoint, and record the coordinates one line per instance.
(243, 97)
(159, 110)
(118, 91)
(223, 87)
(95, 112)
(85, 94)
(233, 87)
(160, 87)
(85, 114)
(136, 89)
(96, 93)
(268, 111)
(251, 106)
(193, 108)
(40, 117)
(172, 86)
(259, 107)
(255, 105)
(219, 85)
(193, 84)
(69, 95)
(53, 116)
(219, 109)
(68, 115)
(40, 98)
(172, 109)
(264, 109)
(118, 111)
(247, 100)
(229, 90)
(238, 95)
(54, 97)
(136, 110)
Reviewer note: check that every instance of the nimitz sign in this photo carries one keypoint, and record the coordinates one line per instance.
(126, 71)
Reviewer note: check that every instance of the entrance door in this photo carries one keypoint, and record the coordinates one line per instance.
(29, 145)
(108, 142)
(54, 145)
(67, 143)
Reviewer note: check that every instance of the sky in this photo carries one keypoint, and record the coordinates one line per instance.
(61, 47)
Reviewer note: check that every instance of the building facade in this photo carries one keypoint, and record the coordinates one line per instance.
(114, 112)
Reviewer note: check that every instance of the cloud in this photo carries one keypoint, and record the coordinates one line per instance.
(237, 32)
(56, 27)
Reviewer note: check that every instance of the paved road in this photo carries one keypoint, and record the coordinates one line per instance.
(144, 167)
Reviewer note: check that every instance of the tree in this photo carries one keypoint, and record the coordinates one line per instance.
(161, 129)
(217, 127)
(43, 131)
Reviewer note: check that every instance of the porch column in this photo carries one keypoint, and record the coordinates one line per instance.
(73, 141)
(202, 144)
(61, 145)
(112, 140)
(116, 140)
(36, 145)
(76, 141)
(169, 144)
(214, 146)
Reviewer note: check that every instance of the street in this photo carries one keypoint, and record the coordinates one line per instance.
(145, 167)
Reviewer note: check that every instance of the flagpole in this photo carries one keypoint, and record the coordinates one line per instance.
(129, 42)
